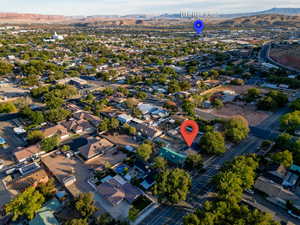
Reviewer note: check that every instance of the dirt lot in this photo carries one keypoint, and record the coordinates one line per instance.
(287, 55)
(249, 112)
(238, 89)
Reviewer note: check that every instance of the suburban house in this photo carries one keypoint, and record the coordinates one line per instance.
(124, 118)
(146, 130)
(116, 189)
(45, 216)
(95, 146)
(146, 108)
(33, 179)
(59, 130)
(28, 153)
(149, 181)
(276, 193)
(78, 126)
(172, 156)
(94, 120)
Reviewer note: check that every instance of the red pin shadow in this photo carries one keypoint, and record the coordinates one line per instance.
(187, 135)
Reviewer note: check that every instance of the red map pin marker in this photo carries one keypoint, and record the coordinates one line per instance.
(189, 136)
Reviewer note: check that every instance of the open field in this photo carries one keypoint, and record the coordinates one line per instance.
(287, 55)
(237, 89)
(229, 110)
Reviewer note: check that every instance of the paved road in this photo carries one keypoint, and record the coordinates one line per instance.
(201, 185)
(264, 57)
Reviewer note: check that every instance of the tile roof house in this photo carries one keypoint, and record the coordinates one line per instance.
(73, 108)
(111, 193)
(146, 130)
(273, 190)
(94, 147)
(27, 153)
(56, 130)
(78, 126)
(94, 120)
(115, 190)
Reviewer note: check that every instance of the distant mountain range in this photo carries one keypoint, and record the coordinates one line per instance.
(262, 20)
(281, 11)
(39, 18)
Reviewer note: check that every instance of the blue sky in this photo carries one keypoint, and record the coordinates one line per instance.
(102, 7)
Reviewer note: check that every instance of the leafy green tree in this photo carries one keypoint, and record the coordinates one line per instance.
(57, 115)
(5, 67)
(35, 136)
(85, 204)
(169, 70)
(229, 187)
(284, 141)
(218, 103)
(295, 105)
(290, 121)
(213, 143)
(133, 213)
(191, 219)
(193, 161)
(104, 125)
(47, 189)
(65, 148)
(104, 219)
(136, 112)
(244, 167)
(284, 158)
(144, 151)
(31, 80)
(237, 129)
(273, 100)
(189, 107)
(37, 117)
(25, 204)
(237, 82)
(172, 185)
(108, 91)
(123, 90)
(141, 95)
(174, 86)
(114, 123)
(252, 94)
(234, 178)
(53, 102)
(132, 130)
(77, 222)
(222, 212)
(8, 107)
(160, 163)
(50, 143)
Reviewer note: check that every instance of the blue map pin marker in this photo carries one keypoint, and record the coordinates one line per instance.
(198, 26)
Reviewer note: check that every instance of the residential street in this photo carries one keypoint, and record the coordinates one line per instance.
(200, 187)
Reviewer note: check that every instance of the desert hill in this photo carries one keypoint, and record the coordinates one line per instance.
(263, 21)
